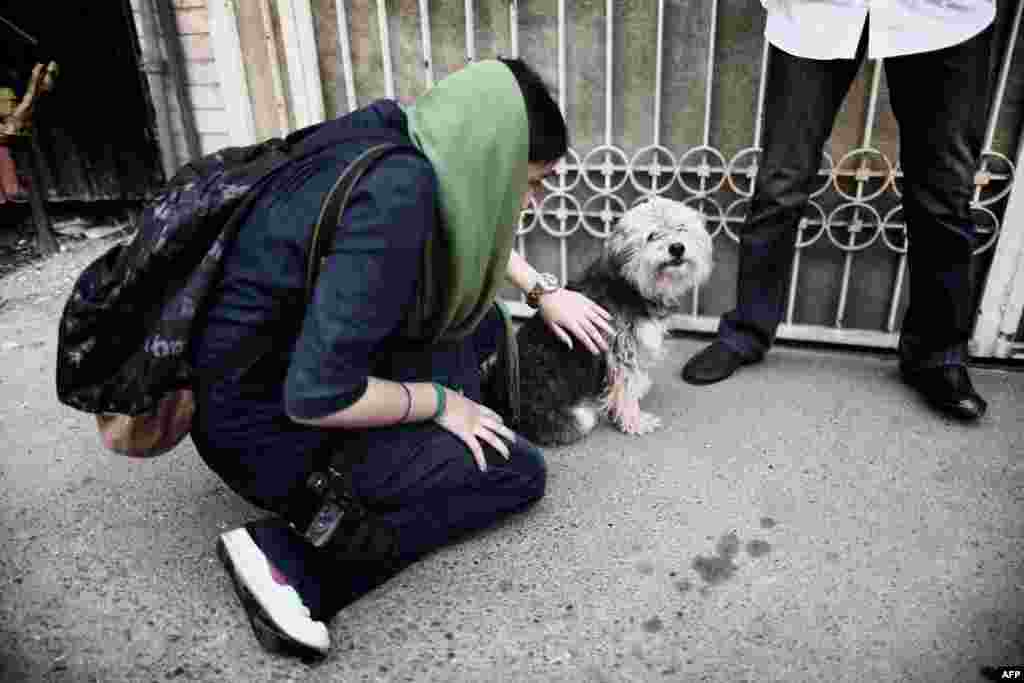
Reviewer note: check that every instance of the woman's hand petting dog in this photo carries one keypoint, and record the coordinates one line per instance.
(473, 422)
(565, 310)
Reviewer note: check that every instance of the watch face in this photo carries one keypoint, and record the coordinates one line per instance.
(547, 281)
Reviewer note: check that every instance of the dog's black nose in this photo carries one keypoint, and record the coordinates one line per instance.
(677, 250)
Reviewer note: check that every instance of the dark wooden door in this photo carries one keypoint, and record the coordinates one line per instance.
(95, 130)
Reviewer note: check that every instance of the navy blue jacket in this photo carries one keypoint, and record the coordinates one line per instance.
(351, 330)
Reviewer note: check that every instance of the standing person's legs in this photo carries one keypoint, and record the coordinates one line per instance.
(801, 101)
(941, 101)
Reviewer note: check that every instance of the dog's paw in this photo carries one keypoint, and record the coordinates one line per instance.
(641, 423)
(648, 423)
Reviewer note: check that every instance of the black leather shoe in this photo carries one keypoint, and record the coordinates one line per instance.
(713, 364)
(948, 389)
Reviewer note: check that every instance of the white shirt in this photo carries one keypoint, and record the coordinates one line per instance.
(831, 29)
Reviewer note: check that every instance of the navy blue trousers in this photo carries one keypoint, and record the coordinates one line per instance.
(417, 481)
(940, 100)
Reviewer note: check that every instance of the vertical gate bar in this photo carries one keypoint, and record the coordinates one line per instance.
(563, 247)
(869, 116)
(562, 87)
(470, 33)
(230, 65)
(561, 55)
(513, 31)
(608, 64)
(708, 90)
(276, 77)
(997, 100)
(306, 30)
(293, 57)
(1004, 74)
(901, 270)
(658, 70)
(897, 290)
(428, 60)
(869, 120)
(711, 73)
(345, 47)
(385, 48)
(761, 88)
(794, 278)
(299, 37)
(608, 58)
(845, 289)
(513, 22)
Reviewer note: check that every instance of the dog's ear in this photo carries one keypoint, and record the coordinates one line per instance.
(615, 235)
(613, 259)
(615, 228)
(618, 256)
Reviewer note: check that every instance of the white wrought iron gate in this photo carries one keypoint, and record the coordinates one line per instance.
(662, 97)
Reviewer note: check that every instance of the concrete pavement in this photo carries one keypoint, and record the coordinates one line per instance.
(809, 519)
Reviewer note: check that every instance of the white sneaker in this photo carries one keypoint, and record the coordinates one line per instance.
(278, 616)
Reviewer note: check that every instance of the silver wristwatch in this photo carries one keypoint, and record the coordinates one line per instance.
(546, 283)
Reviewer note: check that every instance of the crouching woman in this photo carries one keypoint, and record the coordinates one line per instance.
(364, 431)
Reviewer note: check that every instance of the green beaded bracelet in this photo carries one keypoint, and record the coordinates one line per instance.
(440, 400)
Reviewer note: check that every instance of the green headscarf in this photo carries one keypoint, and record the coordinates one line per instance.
(473, 128)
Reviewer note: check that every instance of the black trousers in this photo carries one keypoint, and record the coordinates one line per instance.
(940, 100)
(418, 482)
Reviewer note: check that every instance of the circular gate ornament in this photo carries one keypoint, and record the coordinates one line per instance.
(856, 226)
(654, 169)
(743, 171)
(605, 216)
(606, 168)
(862, 173)
(702, 169)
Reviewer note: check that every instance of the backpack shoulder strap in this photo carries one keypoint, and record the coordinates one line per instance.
(334, 204)
(254, 347)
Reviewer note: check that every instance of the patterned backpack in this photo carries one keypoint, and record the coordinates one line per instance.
(123, 339)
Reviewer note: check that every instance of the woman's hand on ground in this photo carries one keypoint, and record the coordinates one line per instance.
(473, 422)
(565, 311)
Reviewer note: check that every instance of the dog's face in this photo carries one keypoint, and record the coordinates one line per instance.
(662, 247)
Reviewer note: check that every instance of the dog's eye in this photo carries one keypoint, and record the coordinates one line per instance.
(651, 237)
